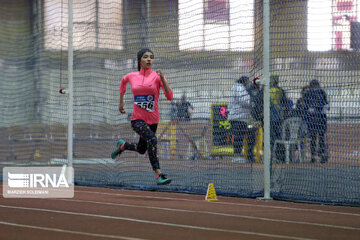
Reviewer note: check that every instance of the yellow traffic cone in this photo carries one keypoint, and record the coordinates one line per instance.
(211, 194)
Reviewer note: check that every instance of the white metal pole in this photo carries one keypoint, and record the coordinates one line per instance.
(148, 19)
(70, 91)
(266, 60)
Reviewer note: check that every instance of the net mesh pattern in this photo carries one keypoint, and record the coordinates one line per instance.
(206, 132)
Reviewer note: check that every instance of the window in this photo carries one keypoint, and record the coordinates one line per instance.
(216, 25)
(329, 24)
(217, 11)
(97, 24)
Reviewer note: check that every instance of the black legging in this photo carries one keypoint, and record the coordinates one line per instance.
(147, 141)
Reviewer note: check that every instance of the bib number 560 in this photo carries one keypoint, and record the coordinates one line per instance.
(146, 105)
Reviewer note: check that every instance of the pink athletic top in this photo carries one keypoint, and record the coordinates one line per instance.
(145, 86)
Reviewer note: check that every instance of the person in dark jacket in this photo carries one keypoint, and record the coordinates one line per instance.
(257, 113)
(317, 105)
(184, 109)
(301, 107)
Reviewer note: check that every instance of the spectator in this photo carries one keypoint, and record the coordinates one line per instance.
(184, 109)
(278, 96)
(173, 111)
(257, 103)
(240, 114)
(278, 112)
(257, 114)
(289, 111)
(317, 105)
(301, 111)
(301, 108)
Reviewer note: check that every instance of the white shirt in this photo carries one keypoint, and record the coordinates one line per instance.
(240, 105)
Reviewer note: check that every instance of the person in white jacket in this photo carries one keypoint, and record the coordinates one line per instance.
(240, 113)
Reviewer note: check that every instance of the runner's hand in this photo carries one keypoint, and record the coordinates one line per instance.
(160, 74)
(121, 108)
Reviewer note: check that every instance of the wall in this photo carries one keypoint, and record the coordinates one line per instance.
(17, 98)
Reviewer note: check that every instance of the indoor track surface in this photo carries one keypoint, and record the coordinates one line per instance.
(104, 213)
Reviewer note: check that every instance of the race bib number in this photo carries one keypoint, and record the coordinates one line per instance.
(146, 102)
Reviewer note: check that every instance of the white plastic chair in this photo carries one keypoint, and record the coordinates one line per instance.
(293, 132)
